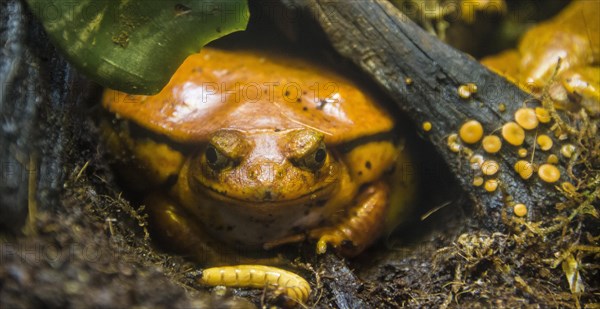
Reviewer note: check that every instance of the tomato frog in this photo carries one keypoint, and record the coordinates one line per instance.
(252, 151)
(560, 56)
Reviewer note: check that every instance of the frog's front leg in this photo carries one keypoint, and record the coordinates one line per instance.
(175, 227)
(172, 225)
(362, 225)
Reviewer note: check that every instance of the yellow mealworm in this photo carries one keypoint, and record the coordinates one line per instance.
(258, 276)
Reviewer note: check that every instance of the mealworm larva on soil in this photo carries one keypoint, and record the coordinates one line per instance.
(258, 276)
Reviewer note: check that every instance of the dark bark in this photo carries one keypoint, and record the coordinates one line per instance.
(390, 48)
(37, 100)
(341, 282)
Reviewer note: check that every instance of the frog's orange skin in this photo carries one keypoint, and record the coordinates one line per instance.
(574, 37)
(279, 150)
(247, 91)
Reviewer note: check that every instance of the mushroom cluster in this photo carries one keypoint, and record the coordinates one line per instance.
(479, 148)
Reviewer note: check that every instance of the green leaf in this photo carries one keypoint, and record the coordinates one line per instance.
(136, 45)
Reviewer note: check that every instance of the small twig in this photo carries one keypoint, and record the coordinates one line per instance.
(82, 169)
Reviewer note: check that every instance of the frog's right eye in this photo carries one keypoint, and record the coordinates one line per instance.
(313, 160)
(215, 158)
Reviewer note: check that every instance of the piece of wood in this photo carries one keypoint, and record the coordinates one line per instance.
(390, 49)
(341, 285)
(39, 94)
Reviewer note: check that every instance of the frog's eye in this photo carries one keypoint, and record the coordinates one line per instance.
(314, 159)
(215, 158)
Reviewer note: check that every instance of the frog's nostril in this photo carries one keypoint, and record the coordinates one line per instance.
(268, 195)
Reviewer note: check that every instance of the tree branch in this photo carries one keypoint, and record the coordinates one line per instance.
(422, 75)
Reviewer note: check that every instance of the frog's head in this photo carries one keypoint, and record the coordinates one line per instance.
(270, 167)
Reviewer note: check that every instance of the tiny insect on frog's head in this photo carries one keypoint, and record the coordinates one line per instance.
(265, 167)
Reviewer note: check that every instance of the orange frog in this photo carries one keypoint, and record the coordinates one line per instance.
(573, 37)
(247, 151)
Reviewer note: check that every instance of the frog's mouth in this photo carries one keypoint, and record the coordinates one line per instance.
(269, 198)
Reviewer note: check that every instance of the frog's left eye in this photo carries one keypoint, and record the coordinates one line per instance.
(215, 158)
(314, 160)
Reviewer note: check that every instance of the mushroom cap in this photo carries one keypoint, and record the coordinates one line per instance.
(513, 133)
(526, 118)
(491, 185)
(471, 131)
(545, 142)
(427, 126)
(567, 150)
(477, 181)
(542, 115)
(524, 169)
(552, 159)
(520, 210)
(549, 173)
(491, 143)
(522, 152)
(490, 167)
